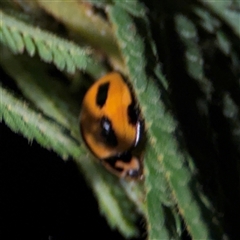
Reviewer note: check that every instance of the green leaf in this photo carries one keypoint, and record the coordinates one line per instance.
(21, 118)
(44, 51)
(47, 93)
(193, 57)
(86, 24)
(226, 11)
(7, 38)
(29, 45)
(132, 7)
(66, 55)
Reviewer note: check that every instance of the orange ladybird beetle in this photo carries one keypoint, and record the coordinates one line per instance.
(112, 127)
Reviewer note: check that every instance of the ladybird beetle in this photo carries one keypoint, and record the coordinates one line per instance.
(111, 125)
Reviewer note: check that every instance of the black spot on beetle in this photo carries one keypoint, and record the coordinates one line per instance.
(133, 113)
(125, 157)
(102, 94)
(108, 133)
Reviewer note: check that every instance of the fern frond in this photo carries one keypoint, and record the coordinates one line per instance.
(21, 118)
(48, 94)
(193, 57)
(214, 24)
(20, 36)
(156, 183)
(134, 8)
(80, 19)
(225, 10)
(168, 177)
